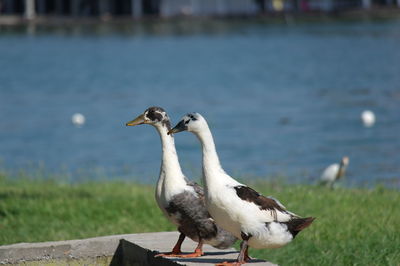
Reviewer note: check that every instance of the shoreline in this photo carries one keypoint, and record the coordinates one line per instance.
(350, 14)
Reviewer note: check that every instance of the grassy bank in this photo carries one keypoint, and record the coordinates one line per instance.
(353, 226)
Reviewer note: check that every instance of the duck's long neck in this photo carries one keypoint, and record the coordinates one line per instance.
(171, 176)
(213, 173)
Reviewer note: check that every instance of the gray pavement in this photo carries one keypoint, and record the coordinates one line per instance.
(131, 249)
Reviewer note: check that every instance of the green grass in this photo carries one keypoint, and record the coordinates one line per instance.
(32, 211)
(353, 226)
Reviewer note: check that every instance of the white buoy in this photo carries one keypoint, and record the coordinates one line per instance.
(78, 119)
(368, 118)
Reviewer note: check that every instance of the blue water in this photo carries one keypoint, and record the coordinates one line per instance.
(282, 100)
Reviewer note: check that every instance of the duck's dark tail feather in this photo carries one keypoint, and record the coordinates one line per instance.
(297, 224)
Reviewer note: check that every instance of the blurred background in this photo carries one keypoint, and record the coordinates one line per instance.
(282, 83)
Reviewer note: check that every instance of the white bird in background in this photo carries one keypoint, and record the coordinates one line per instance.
(261, 222)
(334, 172)
(368, 118)
(78, 119)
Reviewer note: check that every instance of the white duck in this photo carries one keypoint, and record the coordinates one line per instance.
(180, 200)
(334, 172)
(261, 222)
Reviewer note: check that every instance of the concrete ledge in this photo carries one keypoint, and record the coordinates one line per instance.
(132, 249)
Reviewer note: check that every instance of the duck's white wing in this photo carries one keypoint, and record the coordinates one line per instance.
(268, 204)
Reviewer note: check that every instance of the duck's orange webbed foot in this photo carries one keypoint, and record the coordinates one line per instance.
(195, 254)
(176, 251)
(179, 254)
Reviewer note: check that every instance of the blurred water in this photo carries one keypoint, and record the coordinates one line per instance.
(281, 100)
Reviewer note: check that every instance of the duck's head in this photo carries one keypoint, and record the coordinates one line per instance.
(192, 122)
(155, 116)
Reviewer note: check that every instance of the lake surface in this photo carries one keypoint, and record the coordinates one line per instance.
(283, 100)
